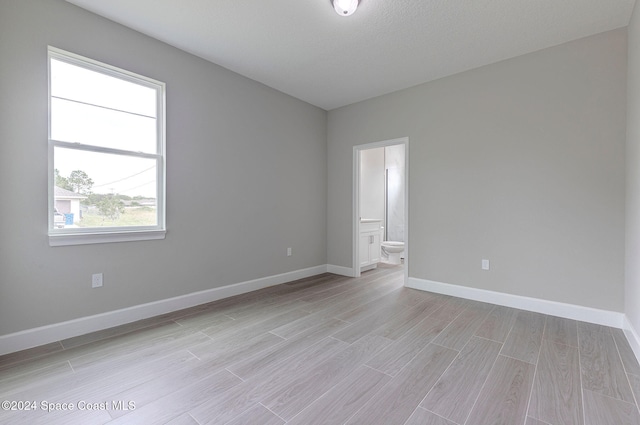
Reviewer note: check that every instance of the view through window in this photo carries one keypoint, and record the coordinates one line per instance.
(106, 147)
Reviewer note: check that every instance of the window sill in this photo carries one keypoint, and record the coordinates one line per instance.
(96, 238)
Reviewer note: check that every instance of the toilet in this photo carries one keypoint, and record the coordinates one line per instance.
(393, 250)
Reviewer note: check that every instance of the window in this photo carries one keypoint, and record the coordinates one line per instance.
(106, 153)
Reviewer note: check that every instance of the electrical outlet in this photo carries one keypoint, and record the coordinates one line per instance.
(96, 280)
(288, 252)
(485, 264)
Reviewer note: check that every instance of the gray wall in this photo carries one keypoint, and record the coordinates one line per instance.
(632, 289)
(372, 183)
(520, 162)
(246, 176)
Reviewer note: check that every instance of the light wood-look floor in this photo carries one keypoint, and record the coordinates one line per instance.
(332, 350)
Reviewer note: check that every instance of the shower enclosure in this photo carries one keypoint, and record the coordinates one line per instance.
(394, 193)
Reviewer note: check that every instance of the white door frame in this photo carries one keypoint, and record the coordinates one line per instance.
(356, 201)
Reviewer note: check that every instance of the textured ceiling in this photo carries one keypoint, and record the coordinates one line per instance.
(303, 48)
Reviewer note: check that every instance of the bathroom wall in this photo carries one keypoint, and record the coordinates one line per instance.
(394, 165)
(374, 166)
(372, 183)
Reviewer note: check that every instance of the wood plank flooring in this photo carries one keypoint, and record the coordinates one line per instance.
(331, 350)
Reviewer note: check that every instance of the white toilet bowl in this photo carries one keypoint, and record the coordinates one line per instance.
(393, 250)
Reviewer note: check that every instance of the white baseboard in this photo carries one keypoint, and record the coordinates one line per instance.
(569, 311)
(56, 332)
(342, 271)
(632, 337)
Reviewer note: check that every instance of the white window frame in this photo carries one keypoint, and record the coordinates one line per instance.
(92, 235)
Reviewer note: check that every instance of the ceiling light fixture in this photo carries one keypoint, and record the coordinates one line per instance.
(345, 7)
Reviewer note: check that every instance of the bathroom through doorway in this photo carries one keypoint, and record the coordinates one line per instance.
(380, 205)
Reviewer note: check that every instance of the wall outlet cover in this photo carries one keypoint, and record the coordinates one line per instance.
(485, 264)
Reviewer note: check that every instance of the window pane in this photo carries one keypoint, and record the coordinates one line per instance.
(101, 119)
(93, 125)
(121, 191)
(84, 85)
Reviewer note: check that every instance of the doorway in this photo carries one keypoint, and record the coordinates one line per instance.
(393, 226)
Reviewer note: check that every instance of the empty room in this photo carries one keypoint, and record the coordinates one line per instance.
(320, 212)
